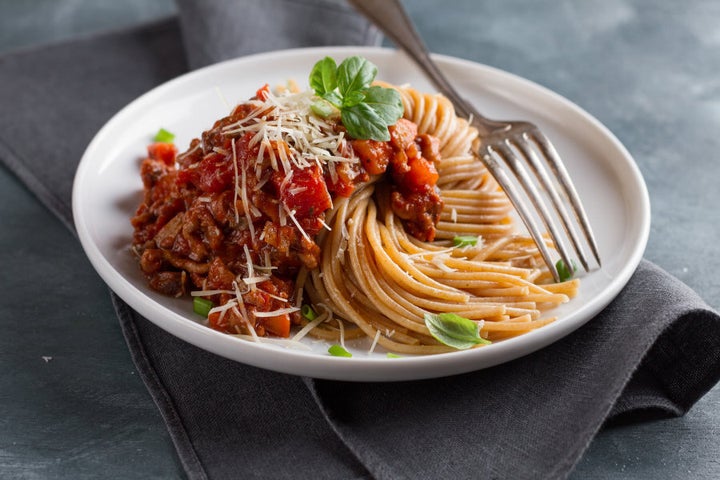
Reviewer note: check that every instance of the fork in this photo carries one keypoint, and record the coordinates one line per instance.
(514, 144)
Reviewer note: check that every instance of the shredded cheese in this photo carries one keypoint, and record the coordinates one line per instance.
(207, 293)
(296, 190)
(250, 268)
(181, 156)
(242, 313)
(422, 255)
(255, 280)
(235, 193)
(249, 325)
(342, 332)
(439, 262)
(246, 203)
(291, 214)
(276, 297)
(287, 118)
(325, 225)
(309, 326)
(275, 313)
(223, 308)
(375, 341)
(222, 98)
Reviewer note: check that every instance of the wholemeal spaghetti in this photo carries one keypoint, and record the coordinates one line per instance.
(384, 281)
(277, 211)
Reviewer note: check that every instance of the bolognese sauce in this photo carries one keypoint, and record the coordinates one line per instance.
(235, 215)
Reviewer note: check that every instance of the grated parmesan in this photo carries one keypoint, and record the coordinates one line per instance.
(291, 214)
(277, 312)
(375, 341)
(207, 293)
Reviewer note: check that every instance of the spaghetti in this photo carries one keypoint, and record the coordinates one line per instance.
(384, 281)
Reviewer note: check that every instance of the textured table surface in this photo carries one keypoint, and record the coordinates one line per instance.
(72, 405)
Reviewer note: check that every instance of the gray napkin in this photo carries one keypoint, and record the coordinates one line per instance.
(653, 350)
(216, 30)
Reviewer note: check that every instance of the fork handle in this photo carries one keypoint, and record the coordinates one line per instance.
(393, 20)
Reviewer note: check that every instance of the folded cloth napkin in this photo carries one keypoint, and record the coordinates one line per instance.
(653, 349)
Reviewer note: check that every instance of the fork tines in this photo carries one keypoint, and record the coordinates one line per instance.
(522, 145)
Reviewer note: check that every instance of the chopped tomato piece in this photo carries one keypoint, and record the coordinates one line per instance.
(347, 175)
(422, 175)
(278, 325)
(430, 147)
(403, 133)
(213, 174)
(216, 324)
(306, 192)
(164, 152)
(373, 154)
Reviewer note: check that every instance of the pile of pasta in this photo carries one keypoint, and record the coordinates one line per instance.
(376, 281)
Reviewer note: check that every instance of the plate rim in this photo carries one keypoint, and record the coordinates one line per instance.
(357, 368)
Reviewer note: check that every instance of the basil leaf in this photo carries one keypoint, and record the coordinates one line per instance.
(386, 102)
(353, 98)
(365, 111)
(323, 77)
(355, 73)
(363, 123)
(454, 331)
(334, 98)
(380, 108)
(322, 108)
(339, 351)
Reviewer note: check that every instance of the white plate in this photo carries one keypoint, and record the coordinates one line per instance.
(108, 188)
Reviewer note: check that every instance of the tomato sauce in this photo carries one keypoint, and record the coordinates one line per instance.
(197, 228)
(410, 160)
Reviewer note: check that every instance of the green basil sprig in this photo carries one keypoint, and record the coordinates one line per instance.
(454, 331)
(365, 111)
